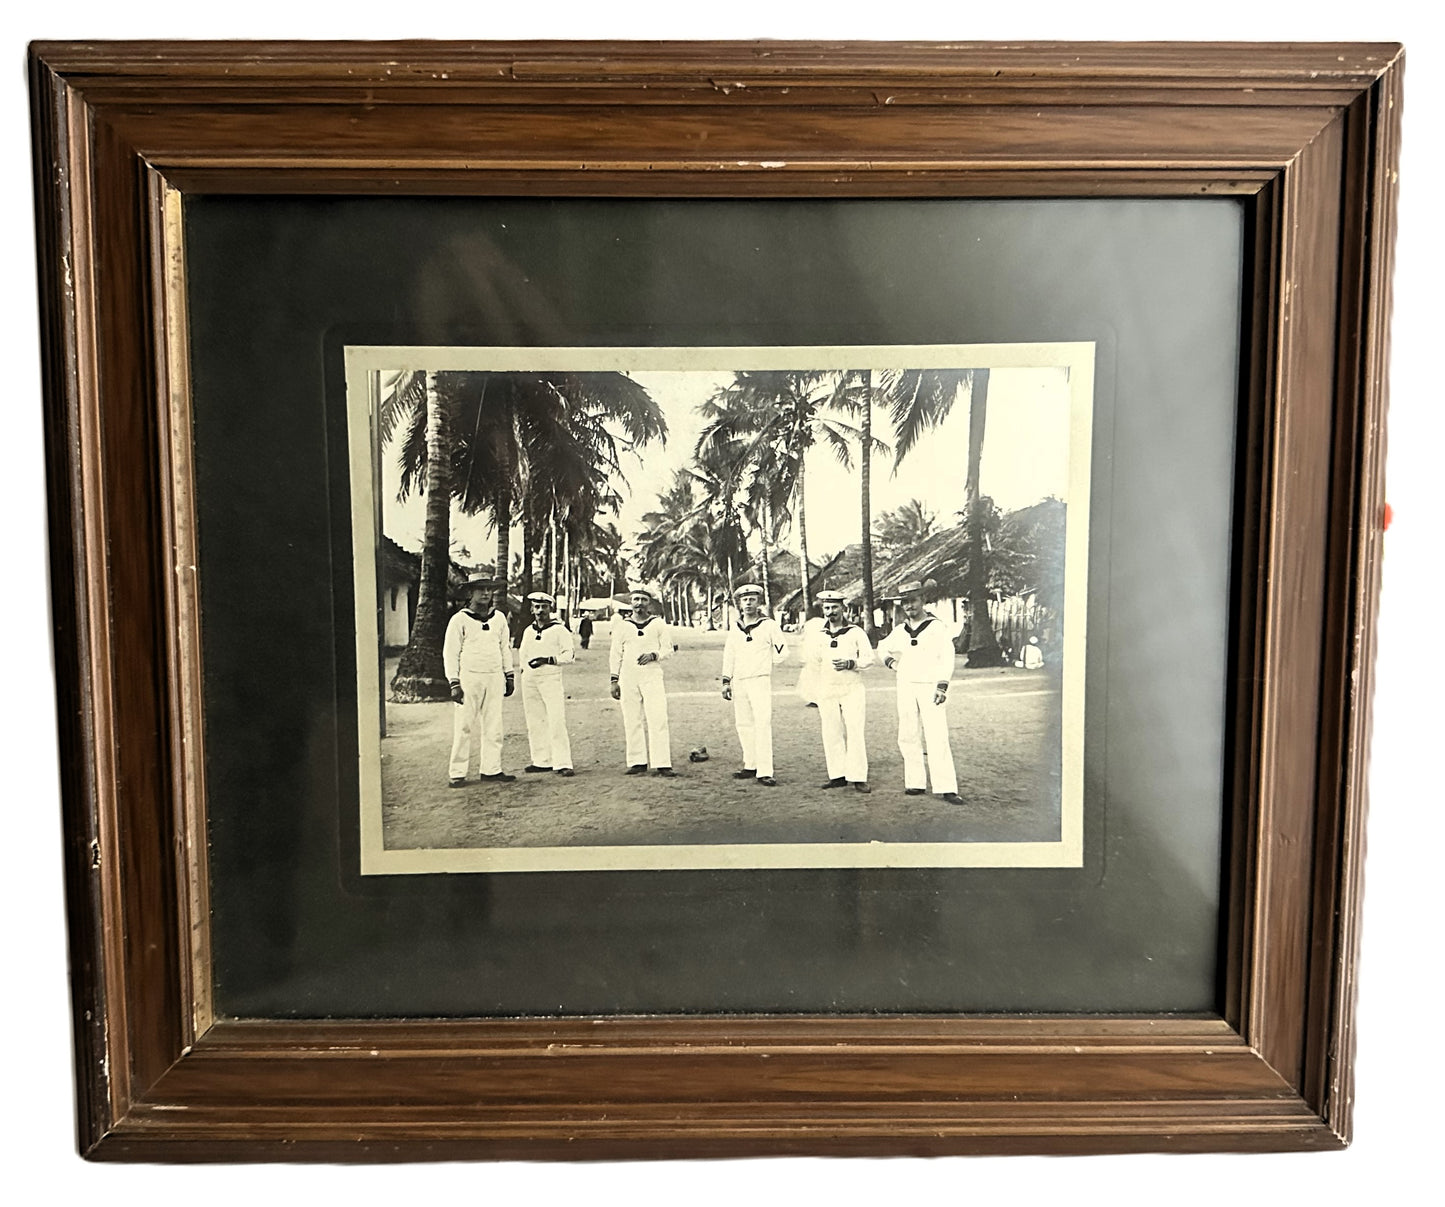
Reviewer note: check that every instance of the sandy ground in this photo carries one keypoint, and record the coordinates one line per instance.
(1003, 723)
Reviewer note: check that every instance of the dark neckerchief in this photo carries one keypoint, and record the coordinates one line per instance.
(836, 633)
(542, 628)
(747, 629)
(639, 625)
(912, 632)
(483, 619)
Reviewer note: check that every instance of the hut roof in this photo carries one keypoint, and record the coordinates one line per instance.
(397, 565)
(943, 557)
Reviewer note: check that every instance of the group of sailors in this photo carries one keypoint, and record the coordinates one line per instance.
(480, 662)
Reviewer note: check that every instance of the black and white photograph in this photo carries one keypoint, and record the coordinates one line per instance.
(701, 607)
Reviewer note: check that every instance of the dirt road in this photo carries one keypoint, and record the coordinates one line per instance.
(1004, 726)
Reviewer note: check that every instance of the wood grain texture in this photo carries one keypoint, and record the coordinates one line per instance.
(1307, 134)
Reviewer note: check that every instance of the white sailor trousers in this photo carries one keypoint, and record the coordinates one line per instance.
(479, 717)
(644, 715)
(545, 706)
(842, 719)
(753, 716)
(922, 723)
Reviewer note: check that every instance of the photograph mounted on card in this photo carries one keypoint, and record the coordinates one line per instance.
(585, 638)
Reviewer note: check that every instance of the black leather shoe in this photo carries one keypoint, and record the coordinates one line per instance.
(950, 798)
(565, 771)
(637, 769)
(767, 781)
(456, 783)
(501, 777)
(532, 767)
(862, 787)
(840, 782)
(744, 774)
(913, 792)
(666, 773)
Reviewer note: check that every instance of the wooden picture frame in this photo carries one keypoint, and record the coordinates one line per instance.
(123, 133)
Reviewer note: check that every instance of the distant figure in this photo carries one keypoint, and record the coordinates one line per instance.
(1033, 659)
(921, 652)
(640, 644)
(546, 648)
(749, 655)
(584, 629)
(477, 657)
(834, 655)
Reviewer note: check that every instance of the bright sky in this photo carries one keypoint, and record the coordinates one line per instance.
(1025, 459)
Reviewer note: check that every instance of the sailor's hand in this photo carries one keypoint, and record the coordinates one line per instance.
(644, 659)
(511, 685)
(890, 662)
(536, 662)
(457, 694)
(616, 690)
(727, 691)
(940, 695)
(843, 664)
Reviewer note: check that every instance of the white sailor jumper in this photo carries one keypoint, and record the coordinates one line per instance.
(644, 693)
(749, 655)
(924, 660)
(543, 701)
(477, 651)
(842, 703)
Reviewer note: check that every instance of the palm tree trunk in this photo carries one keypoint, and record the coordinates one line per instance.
(566, 567)
(420, 674)
(503, 516)
(763, 567)
(983, 648)
(803, 535)
(527, 552)
(504, 545)
(865, 467)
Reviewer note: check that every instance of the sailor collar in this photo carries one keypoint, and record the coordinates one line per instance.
(483, 619)
(835, 633)
(639, 625)
(747, 629)
(542, 628)
(912, 632)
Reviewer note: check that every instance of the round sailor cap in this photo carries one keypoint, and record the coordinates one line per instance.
(747, 589)
(541, 597)
(827, 597)
(642, 591)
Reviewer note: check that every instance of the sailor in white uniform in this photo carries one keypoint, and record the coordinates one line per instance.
(749, 655)
(835, 653)
(546, 648)
(640, 645)
(921, 651)
(477, 657)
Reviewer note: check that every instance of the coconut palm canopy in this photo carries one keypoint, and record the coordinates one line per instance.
(540, 449)
(545, 452)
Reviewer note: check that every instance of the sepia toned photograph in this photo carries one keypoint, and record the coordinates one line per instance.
(708, 607)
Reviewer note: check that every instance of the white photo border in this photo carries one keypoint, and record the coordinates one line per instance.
(362, 360)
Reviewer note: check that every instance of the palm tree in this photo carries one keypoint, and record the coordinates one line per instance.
(673, 546)
(419, 673)
(905, 526)
(518, 436)
(983, 647)
(918, 400)
(715, 471)
(768, 421)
